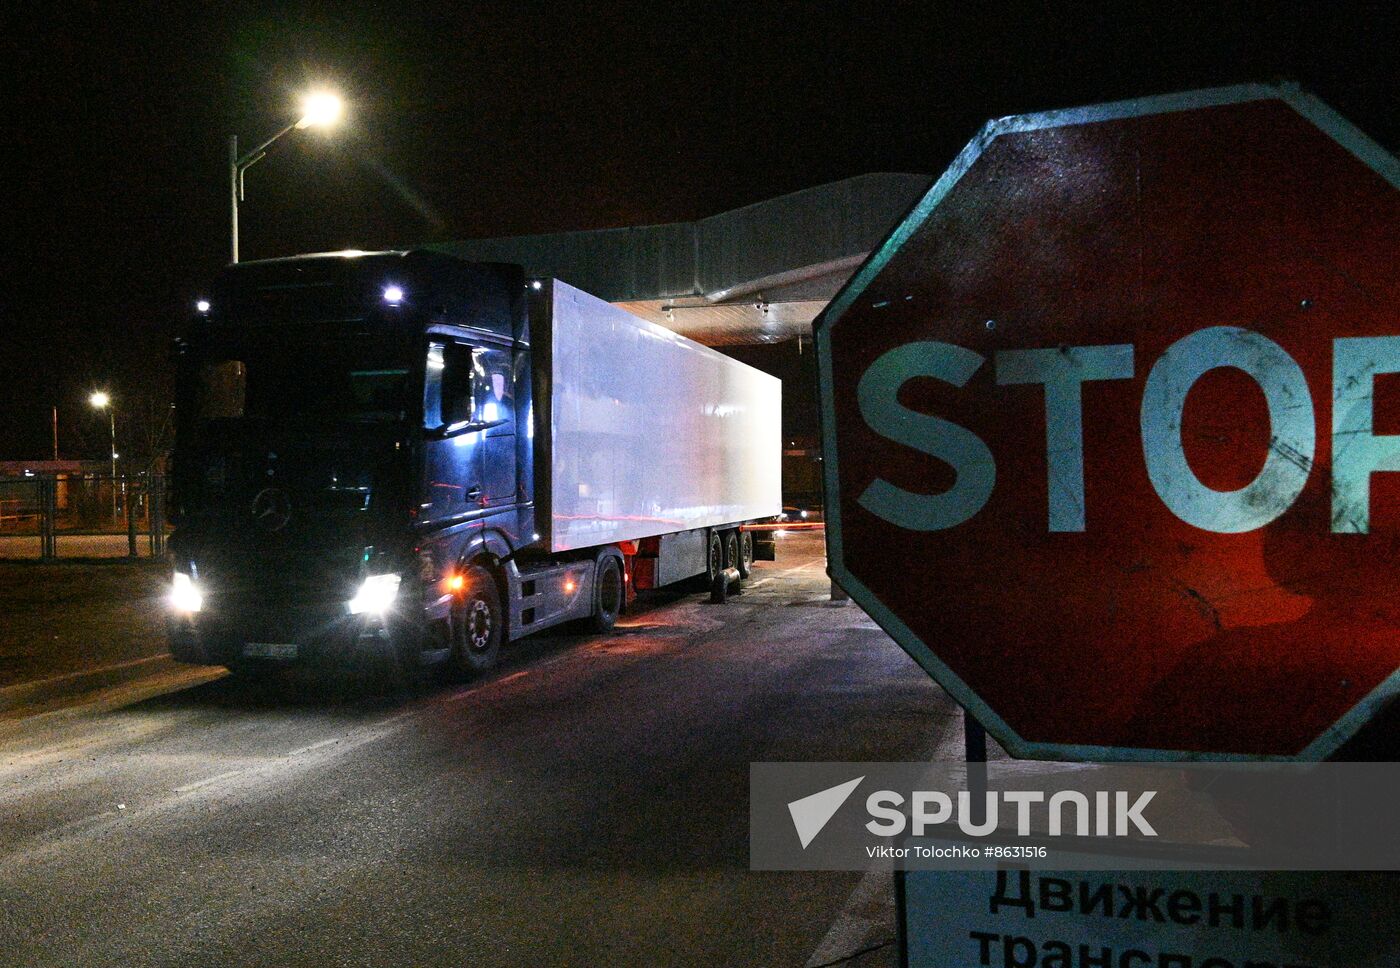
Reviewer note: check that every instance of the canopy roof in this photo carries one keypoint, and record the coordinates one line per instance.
(755, 274)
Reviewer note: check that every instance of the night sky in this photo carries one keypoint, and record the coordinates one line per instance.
(492, 119)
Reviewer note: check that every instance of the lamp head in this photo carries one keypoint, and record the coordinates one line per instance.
(99, 399)
(320, 109)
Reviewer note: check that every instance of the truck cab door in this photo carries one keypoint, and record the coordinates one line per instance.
(453, 451)
(496, 413)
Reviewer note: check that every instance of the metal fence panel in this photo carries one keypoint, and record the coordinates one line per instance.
(82, 516)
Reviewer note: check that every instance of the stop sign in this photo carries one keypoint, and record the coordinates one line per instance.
(1112, 429)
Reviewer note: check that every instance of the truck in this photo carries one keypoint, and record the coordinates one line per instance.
(411, 459)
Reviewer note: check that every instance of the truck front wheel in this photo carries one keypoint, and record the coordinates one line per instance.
(608, 597)
(477, 624)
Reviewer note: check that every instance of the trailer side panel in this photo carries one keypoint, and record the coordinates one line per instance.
(650, 432)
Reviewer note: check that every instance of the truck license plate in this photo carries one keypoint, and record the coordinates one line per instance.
(270, 650)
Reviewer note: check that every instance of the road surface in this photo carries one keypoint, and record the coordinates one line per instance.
(587, 804)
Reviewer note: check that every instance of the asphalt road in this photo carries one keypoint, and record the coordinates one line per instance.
(586, 805)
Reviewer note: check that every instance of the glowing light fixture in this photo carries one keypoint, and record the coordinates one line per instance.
(202, 305)
(185, 595)
(320, 109)
(376, 595)
(393, 295)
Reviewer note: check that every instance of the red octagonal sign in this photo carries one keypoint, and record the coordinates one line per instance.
(1112, 424)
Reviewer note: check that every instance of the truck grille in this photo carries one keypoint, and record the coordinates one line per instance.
(286, 580)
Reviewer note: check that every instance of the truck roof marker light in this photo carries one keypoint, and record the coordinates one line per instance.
(393, 295)
(201, 305)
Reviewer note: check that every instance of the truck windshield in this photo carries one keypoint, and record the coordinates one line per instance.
(333, 380)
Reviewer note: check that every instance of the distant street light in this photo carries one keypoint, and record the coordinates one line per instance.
(320, 109)
(103, 401)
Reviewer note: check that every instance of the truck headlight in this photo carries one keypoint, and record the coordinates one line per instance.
(185, 595)
(376, 595)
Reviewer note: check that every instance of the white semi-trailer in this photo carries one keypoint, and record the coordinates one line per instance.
(414, 456)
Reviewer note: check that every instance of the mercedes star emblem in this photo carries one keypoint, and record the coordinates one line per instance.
(272, 509)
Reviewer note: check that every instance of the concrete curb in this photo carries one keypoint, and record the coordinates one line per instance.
(26, 695)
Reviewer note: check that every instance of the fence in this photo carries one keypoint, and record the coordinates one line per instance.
(51, 516)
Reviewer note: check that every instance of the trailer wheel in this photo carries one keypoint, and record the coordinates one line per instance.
(607, 596)
(477, 625)
(714, 558)
(745, 563)
(731, 549)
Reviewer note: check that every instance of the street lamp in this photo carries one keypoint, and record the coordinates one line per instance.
(103, 401)
(320, 109)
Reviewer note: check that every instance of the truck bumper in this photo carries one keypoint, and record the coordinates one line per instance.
(228, 637)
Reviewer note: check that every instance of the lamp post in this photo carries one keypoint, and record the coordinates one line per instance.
(101, 400)
(319, 110)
